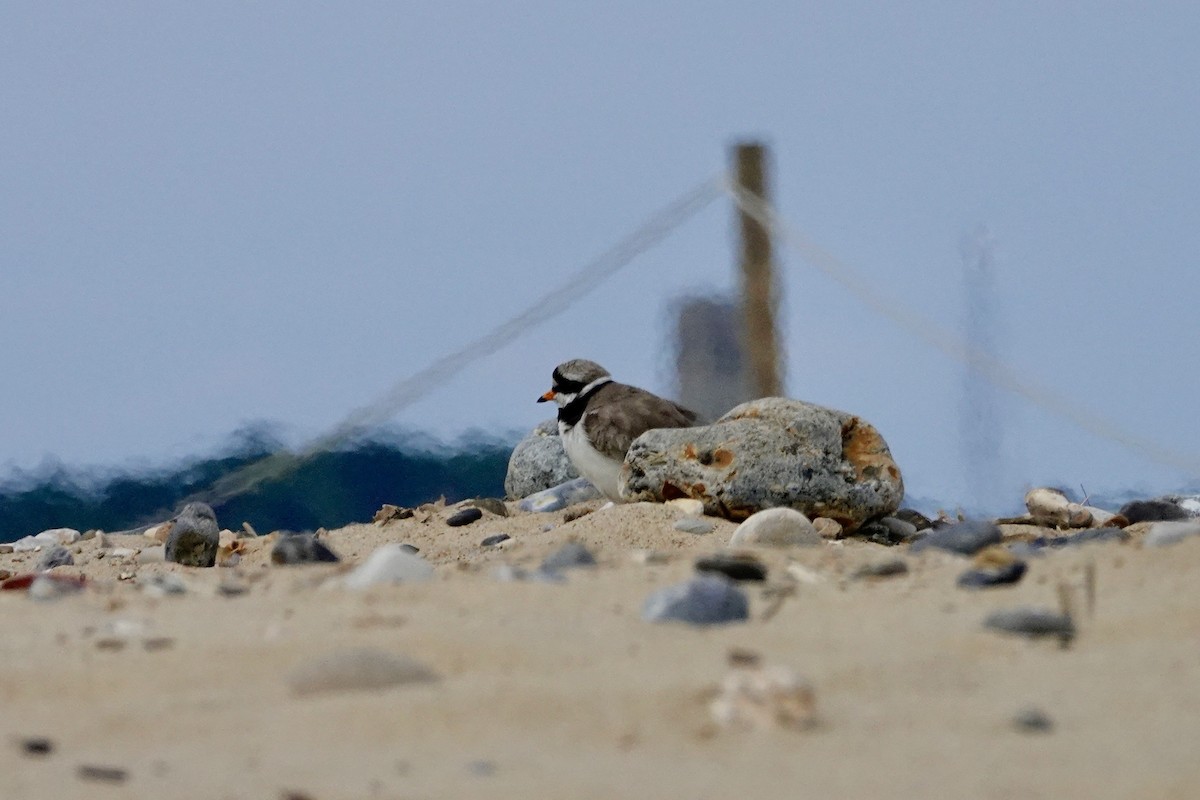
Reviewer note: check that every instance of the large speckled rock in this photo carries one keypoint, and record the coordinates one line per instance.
(770, 453)
(538, 462)
(194, 537)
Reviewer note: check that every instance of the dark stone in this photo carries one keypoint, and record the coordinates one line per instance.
(1033, 720)
(965, 538)
(882, 569)
(704, 600)
(996, 576)
(194, 537)
(490, 504)
(1083, 537)
(37, 746)
(56, 556)
(301, 548)
(1032, 622)
(887, 531)
(494, 540)
(1155, 510)
(89, 772)
(464, 516)
(410, 548)
(733, 566)
(913, 517)
(570, 555)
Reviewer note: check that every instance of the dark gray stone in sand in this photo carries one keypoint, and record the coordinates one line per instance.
(301, 548)
(913, 517)
(1032, 622)
(887, 531)
(704, 600)
(882, 569)
(997, 576)
(410, 548)
(1156, 510)
(194, 537)
(464, 516)
(57, 556)
(733, 566)
(965, 538)
(570, 555)
(494, 540)
(1033, 720)
(491, 504)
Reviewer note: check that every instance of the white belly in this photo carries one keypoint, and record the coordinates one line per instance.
(601, 470)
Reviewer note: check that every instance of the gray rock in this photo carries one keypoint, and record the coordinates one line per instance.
(495, 540)
(57, 556)
(965, 538)
(1159, 508)
(887, 531)
(776, 527)
(301, 548)
(194, 537)
(389, 564)
(692, 525)
(161, 585)
(881, 569)
(1090, 536)
(770, 453)
(464, 516)
(734, 566)
(704, 600)
(556, 498)
(570, 555)
(538, 462)
(491, 504)
(914, 518)
(1032, 622)
(992, 576)
(358, 669)
(1033, 720)
(1161, 534)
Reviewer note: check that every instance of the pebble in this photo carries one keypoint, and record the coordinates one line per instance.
(914, 518)
(570, 555)
(704, 600)
(389, 564)
(507, 573)
(301, 548)
(1161, 534)
(495, 540)
(410, 548)
(164, 584)
(694, 525)
(464, 516)
(776, 527)
(881, 569)
(1152, 511)
(56, 556)
(37, 746)
(887, 531)
(686, 505)
(735, 566)
(491, 504)
(992, 576)
(1033, 720)
(556, 498)
(828, 528)
(1032, 622)
(104, 774)
(357, 669)
(194, 537)
(965, 538)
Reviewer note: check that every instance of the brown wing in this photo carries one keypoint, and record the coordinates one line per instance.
(618, 414)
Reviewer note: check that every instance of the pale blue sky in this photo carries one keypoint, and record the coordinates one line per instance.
(217, 213)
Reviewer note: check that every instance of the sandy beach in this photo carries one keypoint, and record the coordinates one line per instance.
(561, 689)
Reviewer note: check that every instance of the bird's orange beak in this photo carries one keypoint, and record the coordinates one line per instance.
(550, 395)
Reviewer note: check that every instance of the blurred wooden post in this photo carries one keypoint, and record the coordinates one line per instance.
(759, 296)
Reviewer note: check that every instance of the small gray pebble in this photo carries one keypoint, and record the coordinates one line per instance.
(985, 578)
(57, 556)
(694, 525)
(881, 569)
(301, 548)
(410, 548)
(104, 774)
(464, 516)
(1033, 720)
(494, 540)
(571, 554)
(966, 538)
(1032, 622)
(704, 600)
(37, 746)
(490, 504)
(734, 567)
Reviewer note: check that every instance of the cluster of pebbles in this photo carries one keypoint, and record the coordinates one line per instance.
(996, 553)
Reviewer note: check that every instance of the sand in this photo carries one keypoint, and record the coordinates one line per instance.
(563, 691)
